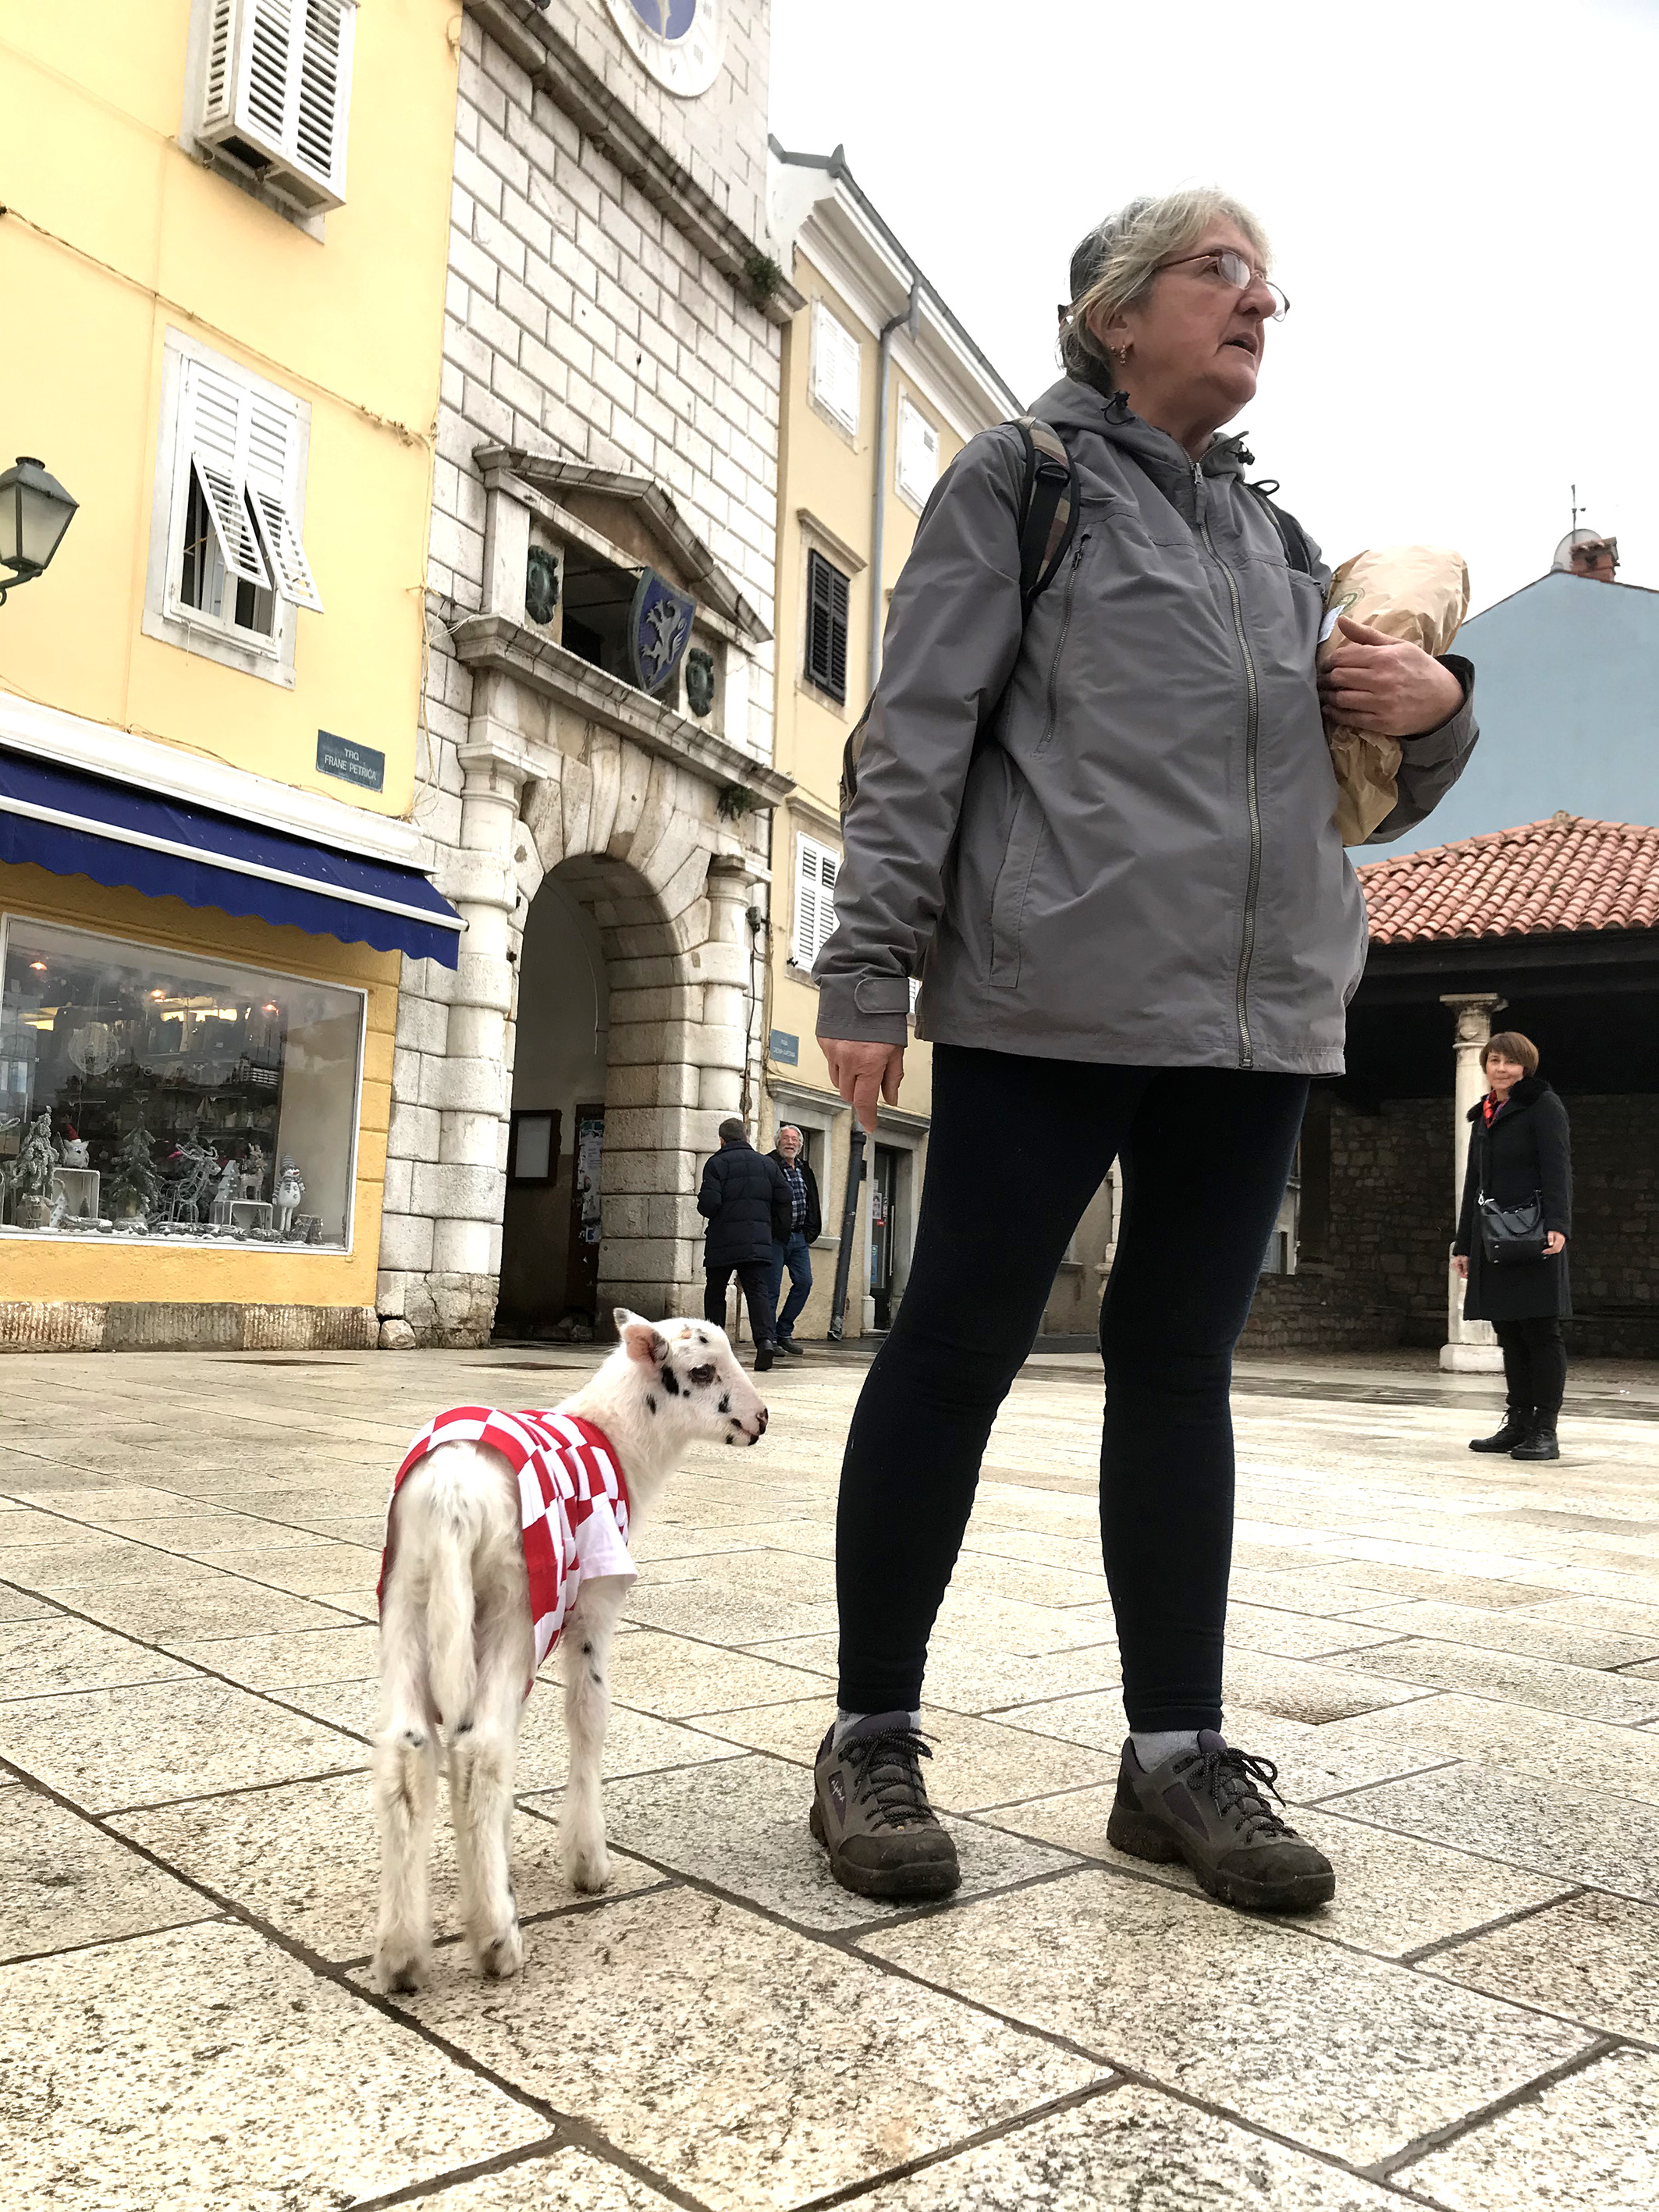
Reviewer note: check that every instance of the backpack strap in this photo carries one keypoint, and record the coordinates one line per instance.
(1291, 537)
(1048, 505)
(1049, 510)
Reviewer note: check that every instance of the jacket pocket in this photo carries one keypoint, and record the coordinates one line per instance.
(1013, 883)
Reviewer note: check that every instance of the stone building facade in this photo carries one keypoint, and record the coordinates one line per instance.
(609, 414)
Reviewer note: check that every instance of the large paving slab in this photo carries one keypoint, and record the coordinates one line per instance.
(1452, 1665)
(155, 2073)
(756, 2067)
(1342, 2052)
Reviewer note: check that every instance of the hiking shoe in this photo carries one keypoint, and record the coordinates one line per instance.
(1516, 1428)
(788, 1344)
(1208, 1808)
(1541, 1443)
(870, 1812)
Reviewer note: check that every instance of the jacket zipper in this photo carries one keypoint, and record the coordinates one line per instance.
(1252, 731)
(1072, 567)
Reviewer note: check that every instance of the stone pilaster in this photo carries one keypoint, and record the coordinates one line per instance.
(1471, 1346)
(676, 1066)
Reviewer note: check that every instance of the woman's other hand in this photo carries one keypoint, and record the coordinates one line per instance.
(1459, 1260)
(1385, 687)
(1554, 1241)
(865, 1074)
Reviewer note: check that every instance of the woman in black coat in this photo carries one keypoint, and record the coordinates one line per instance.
(1520, 1147)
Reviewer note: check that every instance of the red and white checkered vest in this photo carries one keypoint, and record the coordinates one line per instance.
(573, 1503)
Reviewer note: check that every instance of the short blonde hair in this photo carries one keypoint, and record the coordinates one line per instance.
(1114, 266)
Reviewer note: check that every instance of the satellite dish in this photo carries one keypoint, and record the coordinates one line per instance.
(1563, 560)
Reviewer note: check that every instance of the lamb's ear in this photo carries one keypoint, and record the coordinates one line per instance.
(641, 1339)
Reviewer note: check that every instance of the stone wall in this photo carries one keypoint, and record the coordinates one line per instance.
(1615, 1241)
(1378, 1276)
(596, 312)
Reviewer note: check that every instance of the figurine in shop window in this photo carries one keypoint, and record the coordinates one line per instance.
(286, 1198)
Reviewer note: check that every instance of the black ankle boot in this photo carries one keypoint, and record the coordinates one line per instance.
(1541, 1443)
(1518, 1427)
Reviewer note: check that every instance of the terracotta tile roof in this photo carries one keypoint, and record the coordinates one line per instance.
(1567, 874)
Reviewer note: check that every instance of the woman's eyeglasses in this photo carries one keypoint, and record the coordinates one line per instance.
(1233, 269)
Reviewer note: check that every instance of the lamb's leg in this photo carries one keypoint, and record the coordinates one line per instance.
(483, 1754)
(587, 1664)
(404, 1763)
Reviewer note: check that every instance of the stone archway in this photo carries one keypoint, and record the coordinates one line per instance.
(638, 840)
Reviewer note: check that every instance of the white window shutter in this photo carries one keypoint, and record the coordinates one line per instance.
(815, 869)
(836, 365)
(214, 424)
(270, 51)
(805, 948)
(918, 453)
(272, 474)
(322, 92)
(219, 89)
(277, 89)
(828, 868)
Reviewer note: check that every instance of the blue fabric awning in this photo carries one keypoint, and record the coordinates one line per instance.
(76, 824)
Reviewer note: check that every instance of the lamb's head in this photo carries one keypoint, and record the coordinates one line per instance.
(688, 1375)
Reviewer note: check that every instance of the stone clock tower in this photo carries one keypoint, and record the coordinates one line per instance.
(596, 778)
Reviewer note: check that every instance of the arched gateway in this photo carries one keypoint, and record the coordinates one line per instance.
(643, 816)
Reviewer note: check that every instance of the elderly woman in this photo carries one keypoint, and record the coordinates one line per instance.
(1099, 826)
(1519, 1148)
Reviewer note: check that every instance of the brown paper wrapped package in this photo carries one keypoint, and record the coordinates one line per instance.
(1419, 594)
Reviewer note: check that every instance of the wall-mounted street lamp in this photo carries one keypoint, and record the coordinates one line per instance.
(34, 513)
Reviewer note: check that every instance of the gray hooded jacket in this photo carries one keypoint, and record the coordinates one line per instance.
(1135, 859)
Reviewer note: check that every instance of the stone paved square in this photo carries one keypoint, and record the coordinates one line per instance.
(1454, 1661)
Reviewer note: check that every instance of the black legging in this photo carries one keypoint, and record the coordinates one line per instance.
(1019, 1147)
(1534, 1365)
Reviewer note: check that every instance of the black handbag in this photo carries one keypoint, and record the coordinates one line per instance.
(1512, 1234)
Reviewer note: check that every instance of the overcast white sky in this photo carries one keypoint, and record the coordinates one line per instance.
(1463, 198)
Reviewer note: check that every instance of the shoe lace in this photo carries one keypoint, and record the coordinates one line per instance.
(887, 1773)
(1237, 1781)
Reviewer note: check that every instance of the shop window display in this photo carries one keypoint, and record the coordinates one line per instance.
(158, 1094)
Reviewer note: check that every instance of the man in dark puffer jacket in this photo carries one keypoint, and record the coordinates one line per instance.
(745, 1200)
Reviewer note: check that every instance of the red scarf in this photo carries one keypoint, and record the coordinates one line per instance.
(1491, 1106)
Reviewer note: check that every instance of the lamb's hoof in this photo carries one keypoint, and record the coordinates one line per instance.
(588, 1868)
(500, 1958)
(397, 1973)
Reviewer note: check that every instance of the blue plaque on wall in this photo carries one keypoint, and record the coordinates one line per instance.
(784, 1049)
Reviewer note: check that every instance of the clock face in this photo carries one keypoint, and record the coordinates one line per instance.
(681, 42)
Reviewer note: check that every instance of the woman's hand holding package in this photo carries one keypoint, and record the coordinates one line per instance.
(1385, 686)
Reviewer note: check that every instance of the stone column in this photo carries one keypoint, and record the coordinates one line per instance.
(469, 1085)
(676, 1071)
(1471, 1346)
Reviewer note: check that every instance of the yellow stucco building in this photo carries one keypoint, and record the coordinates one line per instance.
(223, 228)
(882, 387)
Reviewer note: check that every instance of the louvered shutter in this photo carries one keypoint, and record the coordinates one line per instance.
(272, 471)
(277, 86)
(214, 429)
(827, 605)
(322, 92)
(815, 869)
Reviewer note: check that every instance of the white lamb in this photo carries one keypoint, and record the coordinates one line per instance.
(459, 1640)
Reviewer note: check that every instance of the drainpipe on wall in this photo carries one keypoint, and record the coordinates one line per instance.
(910, 321)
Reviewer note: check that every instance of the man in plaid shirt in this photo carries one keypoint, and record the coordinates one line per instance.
(806, 1223)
